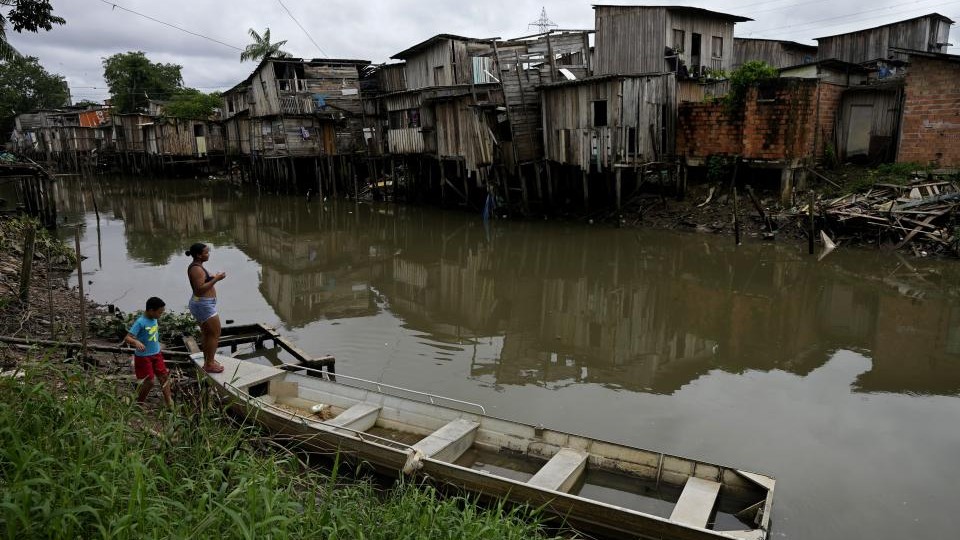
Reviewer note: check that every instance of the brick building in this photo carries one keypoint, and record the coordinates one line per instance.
(930, 125)
(785, 124)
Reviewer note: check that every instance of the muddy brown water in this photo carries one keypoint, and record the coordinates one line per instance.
(841, 378)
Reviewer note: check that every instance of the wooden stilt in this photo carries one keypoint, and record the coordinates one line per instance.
(618, 180)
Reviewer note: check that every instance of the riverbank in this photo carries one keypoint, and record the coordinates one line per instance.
(82, 460)
(895, 207)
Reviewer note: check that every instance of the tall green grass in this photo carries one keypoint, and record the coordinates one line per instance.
(78, 461)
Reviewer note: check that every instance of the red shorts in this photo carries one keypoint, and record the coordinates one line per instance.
(146, 366)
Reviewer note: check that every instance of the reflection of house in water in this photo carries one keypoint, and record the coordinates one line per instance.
(303, 297)
(308, 275)
(916, 347)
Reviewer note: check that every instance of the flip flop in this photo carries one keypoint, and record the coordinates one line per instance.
(213, 369)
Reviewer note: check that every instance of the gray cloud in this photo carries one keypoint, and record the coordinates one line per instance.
(376, 29)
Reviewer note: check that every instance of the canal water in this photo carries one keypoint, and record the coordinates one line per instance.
(840, 377)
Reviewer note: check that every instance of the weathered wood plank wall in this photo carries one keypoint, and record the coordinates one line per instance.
(463, 132)
(618, 49)
(777, 53)
(639, 123)
(921, 33)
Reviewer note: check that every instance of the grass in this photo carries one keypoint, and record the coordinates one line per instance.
(77, 460)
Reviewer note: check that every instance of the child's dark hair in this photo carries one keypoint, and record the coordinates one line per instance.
(154, 303)
(196, 249)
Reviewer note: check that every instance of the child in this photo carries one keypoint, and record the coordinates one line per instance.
(144, 335)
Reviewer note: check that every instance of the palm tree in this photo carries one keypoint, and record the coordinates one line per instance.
(262, 48)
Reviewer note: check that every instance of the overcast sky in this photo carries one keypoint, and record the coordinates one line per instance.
(376, 29)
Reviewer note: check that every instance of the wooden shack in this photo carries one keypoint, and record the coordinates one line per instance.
(524, 64)
(446, 111)
(927, 33)
(651, 39)
(292, 107)
(128, 132)
(610, 123)
(776, 52)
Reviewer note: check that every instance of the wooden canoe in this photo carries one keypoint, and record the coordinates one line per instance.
(594, 485)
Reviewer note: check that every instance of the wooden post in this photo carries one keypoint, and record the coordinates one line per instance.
(812, 230)
(525, 197)
(756, 204)
(26, 268)
(393, 180)
(736, 216)
(586, 190)
(617, 186)
(53, 326)
(546, 168)
(356, 188)
(83, 300)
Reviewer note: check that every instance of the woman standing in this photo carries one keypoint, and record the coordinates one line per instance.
(203, 305)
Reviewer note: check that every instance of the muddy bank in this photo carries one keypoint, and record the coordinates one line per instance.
(918, 215)
(51, 312)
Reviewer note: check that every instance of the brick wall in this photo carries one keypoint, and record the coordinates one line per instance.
(779, 121)
(707, 129)
(930, 129)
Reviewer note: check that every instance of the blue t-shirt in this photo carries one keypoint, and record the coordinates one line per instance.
(147, 331)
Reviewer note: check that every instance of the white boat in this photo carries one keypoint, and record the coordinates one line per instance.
(594, 485)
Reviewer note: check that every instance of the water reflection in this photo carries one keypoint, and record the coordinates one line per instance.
(564, 304)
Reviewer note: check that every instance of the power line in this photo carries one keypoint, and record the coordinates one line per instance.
(817, 22)
(117, 6)
(294, 19)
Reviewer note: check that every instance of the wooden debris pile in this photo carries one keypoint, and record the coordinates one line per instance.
(922, 214)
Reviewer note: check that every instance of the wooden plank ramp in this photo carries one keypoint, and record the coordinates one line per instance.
(696, 502)
(238, 373)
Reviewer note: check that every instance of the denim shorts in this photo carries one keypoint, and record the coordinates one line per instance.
(203, 309)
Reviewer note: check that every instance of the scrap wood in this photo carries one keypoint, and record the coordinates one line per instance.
(709, 198)
(914, 232)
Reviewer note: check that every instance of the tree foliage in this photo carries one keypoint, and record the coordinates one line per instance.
(746, 76)
(25, 86)
(262, 48)
(193, 104)
(29, 15)
(133, 80)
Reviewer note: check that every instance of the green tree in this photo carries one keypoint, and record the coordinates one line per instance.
(25, 86)
(87, 103)
(133, 80)
(262, 48)
(29, 15)
(192, 103)
(745, 76)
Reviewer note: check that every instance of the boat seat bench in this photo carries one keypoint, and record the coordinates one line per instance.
(360, 417)
(696, 502)
(562, 471)
(449, 442)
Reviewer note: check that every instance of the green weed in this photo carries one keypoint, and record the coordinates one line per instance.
(78, 461)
